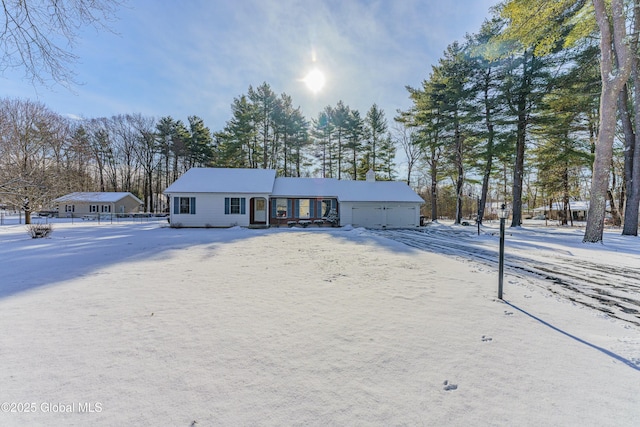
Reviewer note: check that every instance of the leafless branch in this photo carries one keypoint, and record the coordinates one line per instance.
(38, 36)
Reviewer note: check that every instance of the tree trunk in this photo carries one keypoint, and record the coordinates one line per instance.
(339, 153)
(489, 160)
(632, 205)
(521, 134)
(612, 83)
(632, 178)
(601, 164)
(460, 177)
(434, 189)
(150, 179)
(565, 196)
(459, 184)
(615, 215)
(632, 150)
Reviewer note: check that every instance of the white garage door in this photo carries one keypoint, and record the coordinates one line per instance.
(368, 216)
(401, 216)
(384, 216)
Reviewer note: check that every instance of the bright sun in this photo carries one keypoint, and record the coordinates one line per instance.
(314, 80)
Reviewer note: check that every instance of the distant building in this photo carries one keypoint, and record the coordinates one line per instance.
(82, 203)
(577, 210)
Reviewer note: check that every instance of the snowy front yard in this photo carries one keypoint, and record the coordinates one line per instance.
(138, 324)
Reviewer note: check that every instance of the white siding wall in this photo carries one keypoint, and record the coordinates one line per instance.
(210, 211)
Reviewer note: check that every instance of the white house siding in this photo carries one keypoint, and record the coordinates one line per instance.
(210, 210)
(380, 214)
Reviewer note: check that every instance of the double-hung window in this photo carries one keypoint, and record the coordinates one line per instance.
(184, 205)
(281, 208)
(234, 206)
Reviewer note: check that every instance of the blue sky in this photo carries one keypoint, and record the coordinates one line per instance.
(193, 57)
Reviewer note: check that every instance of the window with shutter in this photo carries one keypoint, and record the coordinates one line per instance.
(304, 208)
(282, 208)
(235, 206)
(183, 205)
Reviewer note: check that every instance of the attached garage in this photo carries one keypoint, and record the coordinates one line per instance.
(379, 204)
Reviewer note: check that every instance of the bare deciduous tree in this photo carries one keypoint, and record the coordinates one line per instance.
(38, 36)
(30, 137)
(407, 139)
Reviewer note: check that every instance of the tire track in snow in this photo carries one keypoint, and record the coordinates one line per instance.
(610, 289)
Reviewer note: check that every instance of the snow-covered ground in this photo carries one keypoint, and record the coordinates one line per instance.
(602, 276)
(141, 324)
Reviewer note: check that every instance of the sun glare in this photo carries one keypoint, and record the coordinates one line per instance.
(314, 80)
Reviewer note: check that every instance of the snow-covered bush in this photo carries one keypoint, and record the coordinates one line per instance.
(37, 231)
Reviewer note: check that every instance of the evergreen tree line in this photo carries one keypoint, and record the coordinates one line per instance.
(515, 114)
(266, 131)
(44, 155)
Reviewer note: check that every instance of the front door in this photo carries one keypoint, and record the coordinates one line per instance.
(260, 210)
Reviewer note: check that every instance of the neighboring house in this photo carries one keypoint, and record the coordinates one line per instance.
(577, 209)
(219, 197)
(79, 204)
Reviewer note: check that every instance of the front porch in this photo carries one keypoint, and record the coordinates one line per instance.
(304, 212)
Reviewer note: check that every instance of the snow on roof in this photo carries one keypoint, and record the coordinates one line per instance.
(224, 180)
(96, 197)
(305, 187)
(345, 191)
(377, 191)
